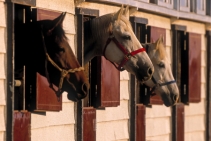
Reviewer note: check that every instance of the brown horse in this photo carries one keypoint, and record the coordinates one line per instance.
(112, 36)
(43, 47)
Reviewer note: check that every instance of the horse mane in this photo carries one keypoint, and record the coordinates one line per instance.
(100, 25)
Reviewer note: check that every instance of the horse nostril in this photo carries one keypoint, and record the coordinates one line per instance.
(175, 98)
(85, 88)
(149, 72)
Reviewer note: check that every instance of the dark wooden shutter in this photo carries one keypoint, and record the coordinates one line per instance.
(21, 126)
(41, 97)
(89, 124)
(105, 83)
(191, 84)
(140, 125)
(194, 86)
(153, 33)
(208, 110)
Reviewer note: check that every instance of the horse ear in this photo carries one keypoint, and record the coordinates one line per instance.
(159, 41)
(57, 22)
(119, 13)
(161, 38)
(126, 11)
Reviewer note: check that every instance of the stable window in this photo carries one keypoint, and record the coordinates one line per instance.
(184, 5)
(188, 71)
(137, 109)
(34, 93)
(86, 113)
(178, 44)
(198, 6)
(208, 7)
(164, 3)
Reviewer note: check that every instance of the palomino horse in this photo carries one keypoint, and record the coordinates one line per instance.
(43, 46)
(112, 36)
(162, 82)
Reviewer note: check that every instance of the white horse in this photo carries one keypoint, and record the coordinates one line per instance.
(112, 36)
(162, 82)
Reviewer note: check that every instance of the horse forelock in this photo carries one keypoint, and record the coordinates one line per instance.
(59, 33)
(126, 21)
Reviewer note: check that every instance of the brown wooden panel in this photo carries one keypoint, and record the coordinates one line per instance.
(39, 96)
(89, 124)
(21, 126)
(194, 81)
(180, 122)
(46, 98)
(106, 86)
(153, 33)
(140, 122)
(41, 14)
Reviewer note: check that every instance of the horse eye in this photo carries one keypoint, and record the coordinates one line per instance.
(61, 50)
(161, 65)
(127, 37)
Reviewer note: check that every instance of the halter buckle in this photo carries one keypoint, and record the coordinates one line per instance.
(128, 56)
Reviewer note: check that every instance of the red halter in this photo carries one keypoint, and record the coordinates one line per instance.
(127, 54)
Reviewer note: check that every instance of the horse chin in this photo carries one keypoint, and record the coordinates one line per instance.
(75, 95)
(167, 100)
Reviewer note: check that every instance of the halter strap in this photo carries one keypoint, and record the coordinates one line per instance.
(127, 55)
(63, 71)
(153, 79)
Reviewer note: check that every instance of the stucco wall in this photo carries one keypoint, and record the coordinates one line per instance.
(3, 37)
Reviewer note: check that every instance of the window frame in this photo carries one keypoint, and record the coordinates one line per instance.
(208, 7)
(164, 4)
(195, 9)
(184, 8)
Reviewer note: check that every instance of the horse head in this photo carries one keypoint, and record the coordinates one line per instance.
(162, 82)
(61, 67)
(112, 36)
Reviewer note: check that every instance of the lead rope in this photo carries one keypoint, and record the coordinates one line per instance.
(63, 71)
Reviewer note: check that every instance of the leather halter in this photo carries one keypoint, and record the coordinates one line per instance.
(63, 71)
(127, 54)
(157, 84)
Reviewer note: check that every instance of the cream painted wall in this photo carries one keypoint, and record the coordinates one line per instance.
(3, 67)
